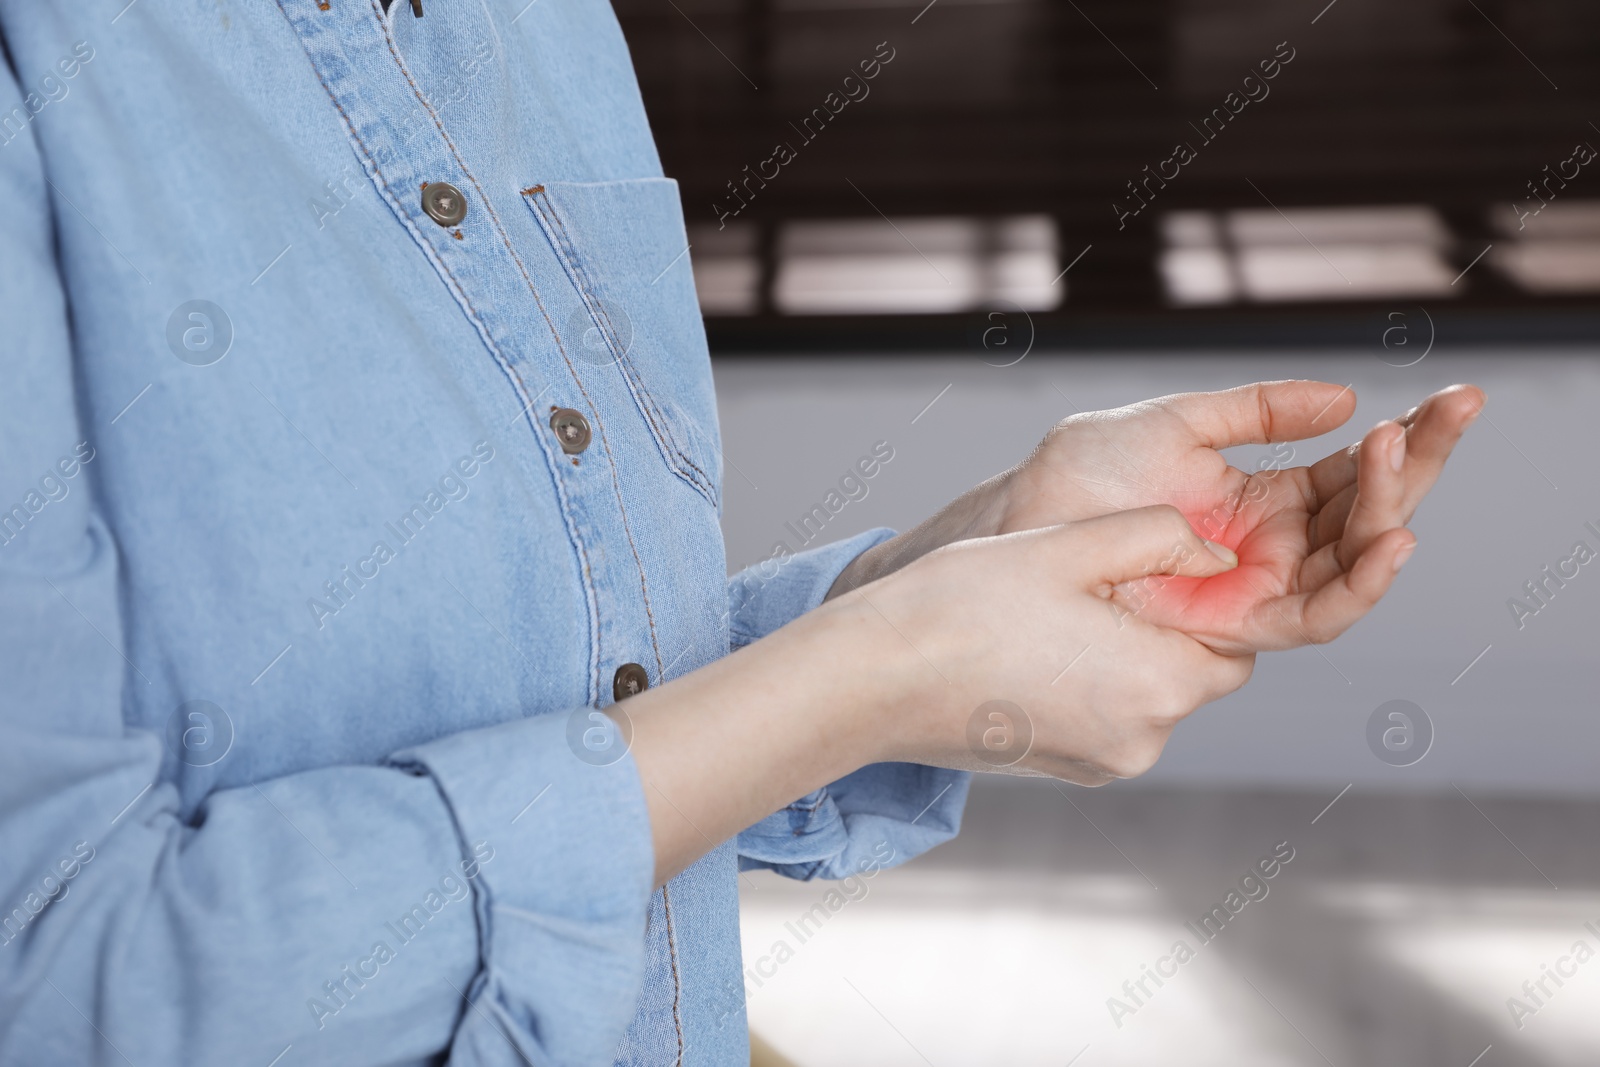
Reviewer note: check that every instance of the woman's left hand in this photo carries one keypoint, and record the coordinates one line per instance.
(1298, 530)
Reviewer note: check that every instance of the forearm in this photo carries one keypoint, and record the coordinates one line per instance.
(727, 745)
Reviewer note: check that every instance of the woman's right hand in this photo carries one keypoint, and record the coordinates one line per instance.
(1014, 653)
(910, 667)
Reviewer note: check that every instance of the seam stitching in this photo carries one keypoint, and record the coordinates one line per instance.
(677, 983)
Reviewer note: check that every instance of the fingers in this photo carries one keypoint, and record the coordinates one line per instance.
(1432, 430)
(1325, 614)
(1167, 676)
(1431, 434)
(1209, 675)
(1154, 540)
(1265, 411)
(1227, 674)
(1380, 500)
(1332, 475)
(1327, 525)
(1435, 427)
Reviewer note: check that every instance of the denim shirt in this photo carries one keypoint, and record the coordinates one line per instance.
(307, 606)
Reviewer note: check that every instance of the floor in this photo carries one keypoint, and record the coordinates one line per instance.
(1394, 933)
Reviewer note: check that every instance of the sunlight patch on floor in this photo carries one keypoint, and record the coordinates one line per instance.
(945, 972)
(1479, 946)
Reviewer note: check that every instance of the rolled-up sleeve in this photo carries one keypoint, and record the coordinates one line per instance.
(879, 816)
(561, 909)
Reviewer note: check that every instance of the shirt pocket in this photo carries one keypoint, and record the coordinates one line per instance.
(623, 247)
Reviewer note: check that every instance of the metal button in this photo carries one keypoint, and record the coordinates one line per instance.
(630, 680)
(444, 203)
(571, 429)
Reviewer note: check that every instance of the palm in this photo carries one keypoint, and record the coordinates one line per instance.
(1267, 523)
(1298, 532)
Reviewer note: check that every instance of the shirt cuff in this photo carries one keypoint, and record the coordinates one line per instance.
(877, 817)
(771, 594)
(565, 861)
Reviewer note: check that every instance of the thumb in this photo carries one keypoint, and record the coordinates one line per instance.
(1144, 541)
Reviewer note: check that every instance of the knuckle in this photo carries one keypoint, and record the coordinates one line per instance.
(1170, 702)
(1322, 635)
(1265, 405)
(1133, 758)
(1169, 519)
(1166, 512)
(1229, 675)
(1174, 713)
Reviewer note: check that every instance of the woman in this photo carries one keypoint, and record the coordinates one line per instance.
(361, 457)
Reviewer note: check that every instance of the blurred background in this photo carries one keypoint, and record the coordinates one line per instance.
(943, 226)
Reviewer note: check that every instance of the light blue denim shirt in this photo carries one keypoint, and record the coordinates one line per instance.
(306, 606)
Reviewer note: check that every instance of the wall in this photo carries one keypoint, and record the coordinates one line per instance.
(1523, 719)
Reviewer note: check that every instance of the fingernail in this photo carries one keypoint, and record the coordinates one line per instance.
(1403, 555)
(1397, 452)
(1224, 553)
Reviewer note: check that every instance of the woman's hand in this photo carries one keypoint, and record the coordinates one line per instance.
(1318, 547)
(1299, 531)
(1087, 692)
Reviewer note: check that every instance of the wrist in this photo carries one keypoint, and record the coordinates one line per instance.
(723, 746)
(979, 512)
(871, 673)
